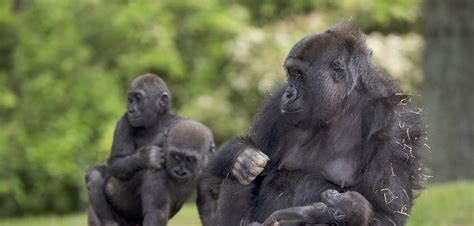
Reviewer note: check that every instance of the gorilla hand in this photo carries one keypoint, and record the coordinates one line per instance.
(249, 164)
(153, 157)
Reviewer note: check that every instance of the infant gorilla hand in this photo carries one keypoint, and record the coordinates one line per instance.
(153, 157)
(249, 164)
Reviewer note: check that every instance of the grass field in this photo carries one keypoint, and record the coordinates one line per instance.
(441, 205)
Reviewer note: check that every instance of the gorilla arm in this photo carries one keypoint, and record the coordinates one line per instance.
(243, 158)
(389, 186)
(239, 158)
(311, 214)
(348, 208)
(124, 160)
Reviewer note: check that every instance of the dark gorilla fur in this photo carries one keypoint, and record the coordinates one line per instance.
(337, 124)
(132, 188)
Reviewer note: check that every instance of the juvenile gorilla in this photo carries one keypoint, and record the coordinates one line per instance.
(338, 124)
(134, 152)
(187, 146)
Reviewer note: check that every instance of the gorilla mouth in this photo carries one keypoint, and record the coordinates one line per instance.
(291, 111)
(134, 118)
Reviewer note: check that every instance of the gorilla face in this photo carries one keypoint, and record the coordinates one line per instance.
(182, 165)
(339, 203)
(345, 206)
(136, 107)
(143, 107)
(147, 99)
(187, 147)
(318, 79)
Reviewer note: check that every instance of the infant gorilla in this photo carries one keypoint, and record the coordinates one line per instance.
(186, 146)
(349, 208)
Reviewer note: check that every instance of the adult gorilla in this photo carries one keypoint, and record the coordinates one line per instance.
(338, 124)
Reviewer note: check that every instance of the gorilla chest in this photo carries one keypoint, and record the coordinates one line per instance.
(331, 163)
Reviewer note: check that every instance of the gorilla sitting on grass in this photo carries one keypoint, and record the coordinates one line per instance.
(337, 125)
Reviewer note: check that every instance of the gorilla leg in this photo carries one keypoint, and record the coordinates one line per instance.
(235, 203)
(156, 198)
(100, 213)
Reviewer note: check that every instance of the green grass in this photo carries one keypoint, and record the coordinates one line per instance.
(449, 204)
(187, 216)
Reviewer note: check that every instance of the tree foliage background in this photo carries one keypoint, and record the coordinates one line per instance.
(65, 66)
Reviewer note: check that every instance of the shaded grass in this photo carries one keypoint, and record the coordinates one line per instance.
(450, 204)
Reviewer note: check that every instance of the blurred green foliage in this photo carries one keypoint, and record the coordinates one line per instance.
(65, 66)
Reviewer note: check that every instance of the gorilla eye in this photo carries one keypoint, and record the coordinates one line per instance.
(191, 159)
(177, 157)
(339, 215)
(138, 97)
(299, 74)
(337, 66)
(296, 73)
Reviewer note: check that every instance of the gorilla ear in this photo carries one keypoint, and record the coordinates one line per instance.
(338, 70)
(163, 100)
(338, 215)
(212, 148)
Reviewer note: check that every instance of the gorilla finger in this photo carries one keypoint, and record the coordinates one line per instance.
(238, 166)
(256, 170)
(270, 222)
(260, 160)
(243, 181)
(248, 163)
(250, 178)
(264, 156)
(237, 174)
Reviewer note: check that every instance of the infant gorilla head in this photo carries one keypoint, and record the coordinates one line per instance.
(347, 206)
(187, 145)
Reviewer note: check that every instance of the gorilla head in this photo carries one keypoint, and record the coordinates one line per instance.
(187, 147)
(347, 207)
(148, 98)
(323, 69)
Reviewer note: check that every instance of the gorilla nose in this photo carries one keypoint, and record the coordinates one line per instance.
(290, 95)
(180, 173)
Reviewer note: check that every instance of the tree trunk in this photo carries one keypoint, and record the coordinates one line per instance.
(448, 87)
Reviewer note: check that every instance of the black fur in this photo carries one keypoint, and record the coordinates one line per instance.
(133, 188)
(338, 124)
